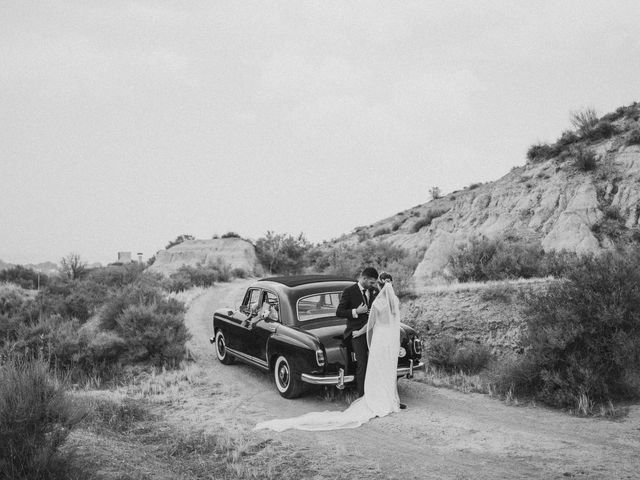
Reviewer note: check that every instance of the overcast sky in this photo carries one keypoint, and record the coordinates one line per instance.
(125, 124)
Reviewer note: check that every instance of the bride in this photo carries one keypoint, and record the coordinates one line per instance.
(380, 385)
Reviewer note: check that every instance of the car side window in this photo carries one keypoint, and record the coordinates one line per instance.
(252, 300)
(272, 308)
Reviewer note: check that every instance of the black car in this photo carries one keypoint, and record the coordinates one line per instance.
(288, 326)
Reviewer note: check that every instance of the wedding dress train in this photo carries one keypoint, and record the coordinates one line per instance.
(380, 386)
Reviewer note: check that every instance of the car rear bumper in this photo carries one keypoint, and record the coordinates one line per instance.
(408, 371)
(340, 379)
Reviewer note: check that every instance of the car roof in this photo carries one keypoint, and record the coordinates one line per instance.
(297, 280)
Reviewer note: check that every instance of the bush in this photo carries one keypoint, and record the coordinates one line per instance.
(349, 260)
(584, 120)
(25, 277)
(231, 235)
(541, 152)
(601, 131)
(179, 239)
(467, 357)
(140, 293)
(482, 259)
(239, 273)
(281, 253)
(13, 298)
(584, 333)
(427, 219)
(634, 137)
(585, 160)
(153, 335)
(116, 275)
(568, 137)
(36, 416)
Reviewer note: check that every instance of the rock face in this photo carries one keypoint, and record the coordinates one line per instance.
(551, 201)
(487, 314)
(234, 252)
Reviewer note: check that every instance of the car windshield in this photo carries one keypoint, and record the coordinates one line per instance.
(320, 305)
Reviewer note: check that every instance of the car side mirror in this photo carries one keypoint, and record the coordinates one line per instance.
(244, 309)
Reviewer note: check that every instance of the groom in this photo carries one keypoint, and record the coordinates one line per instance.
(354, 306)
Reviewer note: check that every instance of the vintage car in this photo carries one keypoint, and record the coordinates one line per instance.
(288, 326)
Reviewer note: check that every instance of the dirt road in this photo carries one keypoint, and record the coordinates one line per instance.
(443, 434)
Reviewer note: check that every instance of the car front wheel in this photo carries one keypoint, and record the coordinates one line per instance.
(221, 349)
(286, 382)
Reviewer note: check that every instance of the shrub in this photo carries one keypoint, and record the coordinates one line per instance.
(482, 259)
(153, 335)
(435, 193)
(466, 357)
(584, 120)
(473, 186)
(584, 333)
(280, 253)
(36, 417)
(634, 137)
(12, 298)
(25, 277)
(145, 292)
(567, 138)
(381, 231)
(585, 160)
(116, 275)
(179, 239)
(349, 260)
(239, 273)
(427, 219)
(601, 131)
(541, 152)
(231, 235)
(516, 376)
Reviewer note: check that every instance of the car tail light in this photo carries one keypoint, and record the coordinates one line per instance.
(320, 357)
(417, 346)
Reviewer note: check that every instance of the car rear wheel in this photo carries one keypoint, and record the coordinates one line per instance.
(286, 382)
(221, 349)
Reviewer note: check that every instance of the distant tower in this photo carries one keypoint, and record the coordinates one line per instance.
(124, 257)
(139, 257)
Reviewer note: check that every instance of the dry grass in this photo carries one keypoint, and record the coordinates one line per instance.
(460, 381)
(456, 286)
(165, 386)
(127, 437)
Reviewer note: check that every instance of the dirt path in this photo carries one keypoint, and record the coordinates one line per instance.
(443, 433)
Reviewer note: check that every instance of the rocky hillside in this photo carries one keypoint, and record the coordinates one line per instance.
(581, 194)
(234, 252)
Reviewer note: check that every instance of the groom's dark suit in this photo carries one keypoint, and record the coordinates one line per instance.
(352, 297)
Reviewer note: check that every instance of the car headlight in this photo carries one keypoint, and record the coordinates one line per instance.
(417, 346)
(402, 352)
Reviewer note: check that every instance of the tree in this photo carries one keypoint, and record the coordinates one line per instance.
(179, 239)
(435, 192)
(282, 253)
(72, 266)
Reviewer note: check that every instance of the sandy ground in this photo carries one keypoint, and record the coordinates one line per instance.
(443, 434)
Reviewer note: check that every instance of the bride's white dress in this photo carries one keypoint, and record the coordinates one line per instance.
(380, 386)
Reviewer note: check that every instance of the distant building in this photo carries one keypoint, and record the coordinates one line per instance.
(124, 257)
